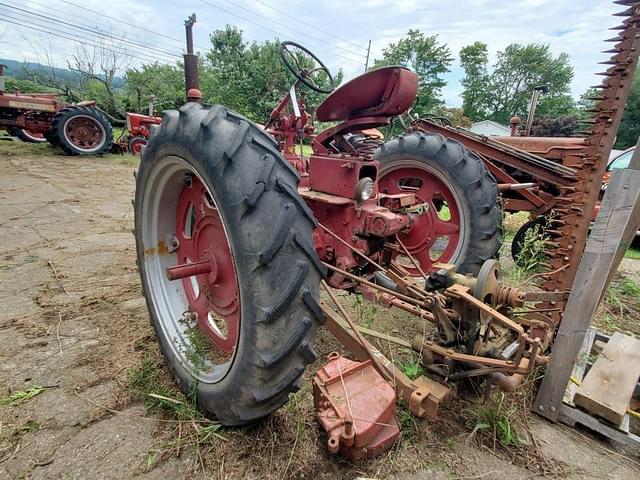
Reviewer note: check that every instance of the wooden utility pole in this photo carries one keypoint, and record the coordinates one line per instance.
(366, 64)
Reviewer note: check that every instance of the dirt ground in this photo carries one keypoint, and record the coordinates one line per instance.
(72, 320)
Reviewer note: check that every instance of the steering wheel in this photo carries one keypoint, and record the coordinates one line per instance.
(291, 59)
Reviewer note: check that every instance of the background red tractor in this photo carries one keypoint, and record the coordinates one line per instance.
(136, 135)
(79, 129)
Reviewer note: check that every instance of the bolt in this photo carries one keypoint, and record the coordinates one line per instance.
(552, 409)
(540, 408)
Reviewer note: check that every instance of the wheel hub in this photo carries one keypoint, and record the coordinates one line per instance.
(83, 132)
(435, 235)
(211, 289)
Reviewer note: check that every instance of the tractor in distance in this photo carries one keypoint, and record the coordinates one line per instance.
(79, 129)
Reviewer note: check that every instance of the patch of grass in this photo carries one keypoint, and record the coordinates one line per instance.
(408, 423)
(513, 221)
(365, 311)
(632, 254)
(25, 149)
(495, 419)
(21, 396)
(189, 429)
(621, 306)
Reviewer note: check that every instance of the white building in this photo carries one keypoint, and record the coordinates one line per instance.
(490, 128)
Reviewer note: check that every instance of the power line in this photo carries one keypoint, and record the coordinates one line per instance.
(129, 24)
(89, 21)
(90, 44)
(95, 32)
(309, 24)
(290, 28)
(262, 26)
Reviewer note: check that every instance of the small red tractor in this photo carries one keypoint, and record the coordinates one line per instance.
(237, 230)
(78, 129)
(136, 135)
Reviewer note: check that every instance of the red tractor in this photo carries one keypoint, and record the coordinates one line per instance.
(235, 229)
(136, 135)
(78, 129)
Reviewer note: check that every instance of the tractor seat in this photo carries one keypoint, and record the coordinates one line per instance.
(383, 92)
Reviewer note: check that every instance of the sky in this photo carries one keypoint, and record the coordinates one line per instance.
(337, 31)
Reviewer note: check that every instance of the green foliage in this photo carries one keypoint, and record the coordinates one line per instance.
(249, 78)
(457, 117)
(162, 84)
(629, 130)
(412, 369)
(26, 86)
(506, 91)
(429, 59)
(532, 252)
(474, 59)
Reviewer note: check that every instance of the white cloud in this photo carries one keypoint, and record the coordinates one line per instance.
(575, 27)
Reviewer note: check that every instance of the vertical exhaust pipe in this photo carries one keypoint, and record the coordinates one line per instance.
(191, 80)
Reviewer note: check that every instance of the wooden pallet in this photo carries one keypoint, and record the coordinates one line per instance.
(607, 388)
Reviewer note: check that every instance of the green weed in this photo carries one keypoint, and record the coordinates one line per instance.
(21, 396)
(532, 253)
(496, 420)
(407, 422)
(411, 369)
(365, 311)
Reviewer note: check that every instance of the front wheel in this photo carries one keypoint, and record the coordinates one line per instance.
(136, 145)
(224, 247)
(463, 221)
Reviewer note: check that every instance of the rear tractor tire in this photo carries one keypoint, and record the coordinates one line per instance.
(214, 195)
(463, 222)
(81, 130)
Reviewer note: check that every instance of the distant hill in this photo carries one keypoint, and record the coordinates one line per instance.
(24, 70)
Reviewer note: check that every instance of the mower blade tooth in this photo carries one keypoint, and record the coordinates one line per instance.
(626, 13)
(625, 3)
(617, 38)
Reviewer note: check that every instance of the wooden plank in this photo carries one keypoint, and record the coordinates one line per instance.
(608, 387)
(613, 232)
(580, 366)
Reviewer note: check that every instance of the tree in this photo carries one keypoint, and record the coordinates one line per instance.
(249, 78)
(429, 59)
(457, 117)
(102, 63)
(162, 84)
(506, 90)
(629, 130)
(474, 60)
(521, 68)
